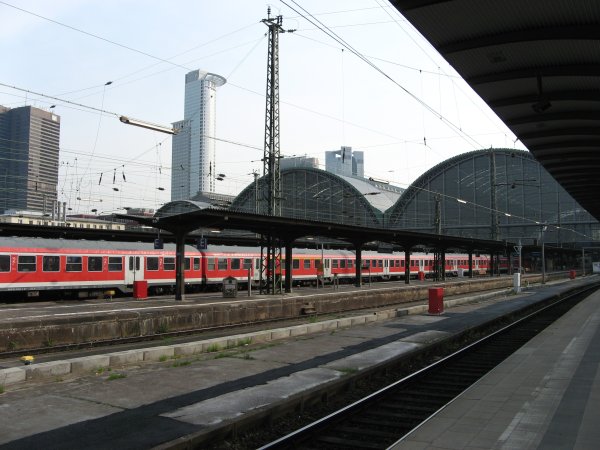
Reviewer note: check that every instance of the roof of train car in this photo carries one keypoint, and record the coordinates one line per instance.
(147, 246)
(82, 244)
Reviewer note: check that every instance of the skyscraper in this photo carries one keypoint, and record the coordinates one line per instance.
(193, 149)
(345, 162)
(29, 146)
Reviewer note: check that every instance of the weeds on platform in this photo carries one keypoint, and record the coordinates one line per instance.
(213, 348)
(162, 328)
(116, 376)
(244, 342)
(181, 363)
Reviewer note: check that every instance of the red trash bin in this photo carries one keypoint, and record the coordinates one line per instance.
(572, 274)
(421, 276)
(436, 300)
(140, 289)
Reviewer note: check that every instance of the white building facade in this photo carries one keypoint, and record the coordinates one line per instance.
(345, 162)
(193, 147)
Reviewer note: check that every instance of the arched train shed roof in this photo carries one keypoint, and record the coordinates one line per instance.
(315, 194)
(492, 194)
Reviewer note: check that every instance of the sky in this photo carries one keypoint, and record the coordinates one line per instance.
(404, 107)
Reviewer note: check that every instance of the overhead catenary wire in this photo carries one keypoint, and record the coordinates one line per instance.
(316, 22)
(237, 143)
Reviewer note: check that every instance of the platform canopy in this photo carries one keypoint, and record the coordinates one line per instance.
(536, 63)
(182, 217)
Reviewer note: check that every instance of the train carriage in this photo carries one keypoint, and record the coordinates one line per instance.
(79, 268)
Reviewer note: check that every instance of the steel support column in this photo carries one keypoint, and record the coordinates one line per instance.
(358, 266)
(470, 263)
(288, 266)
(407, 265)
(179, 265)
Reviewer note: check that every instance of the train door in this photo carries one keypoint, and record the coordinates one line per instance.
(134, 269)
(256, 275)
(327, 271)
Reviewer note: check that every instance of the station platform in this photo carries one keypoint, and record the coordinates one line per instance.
(544, 396)
(175, 394)
(37, 325)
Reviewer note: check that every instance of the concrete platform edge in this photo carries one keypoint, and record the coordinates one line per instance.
(116, 360)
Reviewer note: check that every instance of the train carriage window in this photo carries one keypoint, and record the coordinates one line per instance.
(152, 263)
(327, 263)
(115, 263)
(74, 264)
(210, 264)
(222, 264)
(186, 264)
(51, 263)
(247, 263)
(307, 263)
(169, 263)
(26, 264)
(350, 264)
(235, 264)
(342, 263)
(402, 263)
(334, 263)
(380, 263)
(295, 263)
(94, 264)
(4, 263)
(196, 263)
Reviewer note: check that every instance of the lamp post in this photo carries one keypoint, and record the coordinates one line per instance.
(150, 126)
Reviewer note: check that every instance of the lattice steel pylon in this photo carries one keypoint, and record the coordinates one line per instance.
(270, 252)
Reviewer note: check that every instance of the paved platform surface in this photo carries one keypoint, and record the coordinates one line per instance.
(545, 396)
(149, 402)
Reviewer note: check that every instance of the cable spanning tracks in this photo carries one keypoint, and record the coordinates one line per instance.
(386, 416)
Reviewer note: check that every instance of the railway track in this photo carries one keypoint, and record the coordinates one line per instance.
(386, 416)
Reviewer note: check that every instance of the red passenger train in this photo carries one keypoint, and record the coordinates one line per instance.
(33, 267)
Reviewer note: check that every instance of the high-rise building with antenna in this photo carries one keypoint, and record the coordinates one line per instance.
(193, 149)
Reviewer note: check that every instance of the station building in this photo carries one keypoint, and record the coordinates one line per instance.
(314, 194)
(500, 194)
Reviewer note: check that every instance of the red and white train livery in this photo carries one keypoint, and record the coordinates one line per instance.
(32, 266)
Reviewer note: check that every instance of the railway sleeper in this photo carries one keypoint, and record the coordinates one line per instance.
(382, 422)
(349, 431)
(406, 415)
(346, 443)
(429, 396)
(404, 407)
(410, 397)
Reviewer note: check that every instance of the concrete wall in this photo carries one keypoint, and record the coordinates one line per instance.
(49, 332)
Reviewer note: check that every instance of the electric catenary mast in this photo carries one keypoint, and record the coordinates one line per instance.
(271, 205)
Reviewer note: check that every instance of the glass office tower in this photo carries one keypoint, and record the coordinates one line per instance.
(193, 149)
